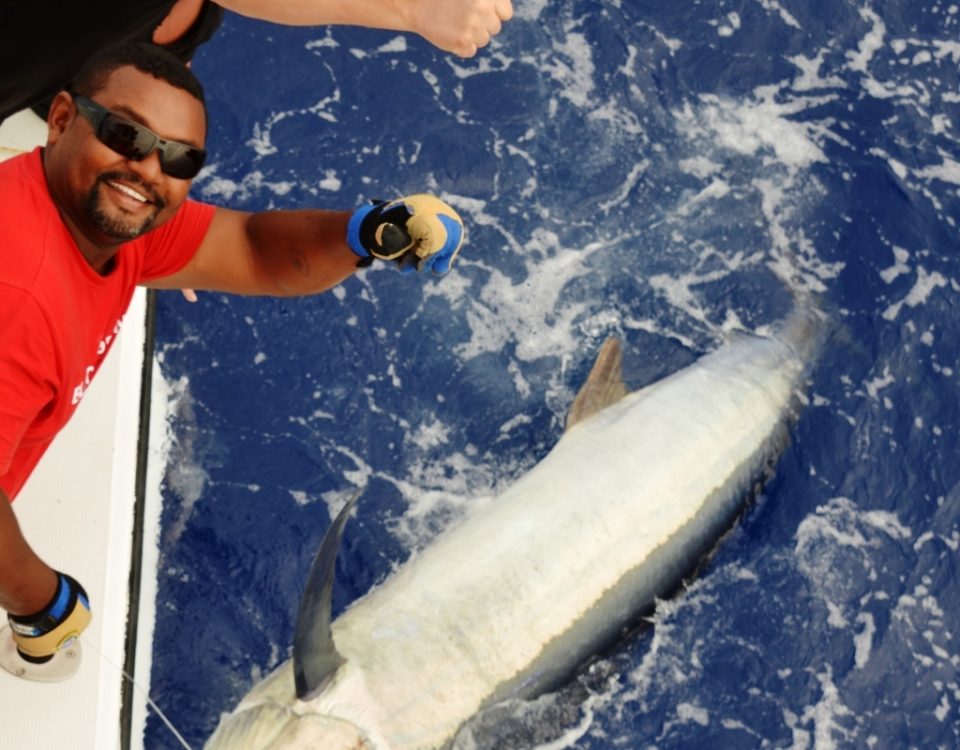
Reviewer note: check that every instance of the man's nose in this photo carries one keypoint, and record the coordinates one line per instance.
(148, 168)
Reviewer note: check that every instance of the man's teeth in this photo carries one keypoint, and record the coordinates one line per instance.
(129, 191)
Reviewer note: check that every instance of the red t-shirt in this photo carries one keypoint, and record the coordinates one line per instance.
(58, 317)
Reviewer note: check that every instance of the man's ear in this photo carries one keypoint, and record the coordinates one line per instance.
(62, 113)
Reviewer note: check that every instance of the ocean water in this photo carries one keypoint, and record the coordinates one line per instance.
(667, 172)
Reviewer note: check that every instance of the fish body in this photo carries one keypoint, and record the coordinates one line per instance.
(528, 586)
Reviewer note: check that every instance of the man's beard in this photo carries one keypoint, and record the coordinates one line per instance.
(115, 223)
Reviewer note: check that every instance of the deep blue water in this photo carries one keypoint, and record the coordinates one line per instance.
(663, 171)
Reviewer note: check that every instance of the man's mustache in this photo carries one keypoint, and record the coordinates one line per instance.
(135, 182)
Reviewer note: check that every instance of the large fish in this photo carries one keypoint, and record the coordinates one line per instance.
(510, 601)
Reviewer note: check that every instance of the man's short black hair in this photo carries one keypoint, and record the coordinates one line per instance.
(147, 58)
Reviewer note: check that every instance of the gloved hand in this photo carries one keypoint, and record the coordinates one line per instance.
(418, 232)
(39, 636)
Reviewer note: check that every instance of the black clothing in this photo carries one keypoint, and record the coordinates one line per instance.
(46, 43)
(208, 21)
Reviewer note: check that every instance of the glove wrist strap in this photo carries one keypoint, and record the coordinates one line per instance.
(44, 632)
(353, 232)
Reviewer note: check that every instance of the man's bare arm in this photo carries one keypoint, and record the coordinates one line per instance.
(457, 26)
(27, 584)
(277, 253)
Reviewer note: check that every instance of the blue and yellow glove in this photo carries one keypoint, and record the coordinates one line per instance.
(418, 232)
(39, 636)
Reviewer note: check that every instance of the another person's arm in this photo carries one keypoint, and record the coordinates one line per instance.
(457, 26)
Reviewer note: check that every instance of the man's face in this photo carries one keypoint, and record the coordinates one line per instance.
(104, 196)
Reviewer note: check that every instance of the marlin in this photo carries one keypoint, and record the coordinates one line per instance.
(509, 602)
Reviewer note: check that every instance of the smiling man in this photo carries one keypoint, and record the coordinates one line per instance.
(104, 208)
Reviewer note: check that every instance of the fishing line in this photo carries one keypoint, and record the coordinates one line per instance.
(144, 693)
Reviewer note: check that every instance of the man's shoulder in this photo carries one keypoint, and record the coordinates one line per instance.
(21, 311)
(187, 226)
(24, 188)
(25, 214)
(23, 163)
(170, 247)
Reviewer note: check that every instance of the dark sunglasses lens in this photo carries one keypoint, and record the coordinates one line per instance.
(135, 142)
(181, 161)
(126, 138)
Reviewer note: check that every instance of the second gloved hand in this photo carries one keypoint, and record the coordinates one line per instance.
(40, 635)
(418, 232)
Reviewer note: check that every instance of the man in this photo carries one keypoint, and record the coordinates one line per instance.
(102, 209)
(41, 46)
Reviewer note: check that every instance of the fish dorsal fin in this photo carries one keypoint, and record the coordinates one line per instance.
(315, 656)
(604, 386)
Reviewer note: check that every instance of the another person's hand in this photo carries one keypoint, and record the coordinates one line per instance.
(418, 232)
(40, 635)
(459, 26)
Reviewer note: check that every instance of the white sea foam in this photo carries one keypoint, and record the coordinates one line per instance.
(330, 181)
(505, 312)
(766, 127)
(811, 78)
(759, 125)
(699, 166)
(863, 641)
(397, 44)
(899, 267)
(222, 190)
(822, 724)
(948, 171)
(300, 497)
(529, 10)
(518, 421)
(428, 436)
(871, 43)
(877, 384)
(327, 42)
(636, 173)
(837, 550)
(847, 555)
(785, 15)
(718, 188)
(924, 286)
(572, 69)
(572, 736)
(185, 476)
(729, 25)
(689, 712)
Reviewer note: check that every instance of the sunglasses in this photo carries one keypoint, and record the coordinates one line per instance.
(133, 141)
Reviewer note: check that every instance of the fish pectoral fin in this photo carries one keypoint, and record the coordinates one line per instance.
(604, 386)
(315, 656)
